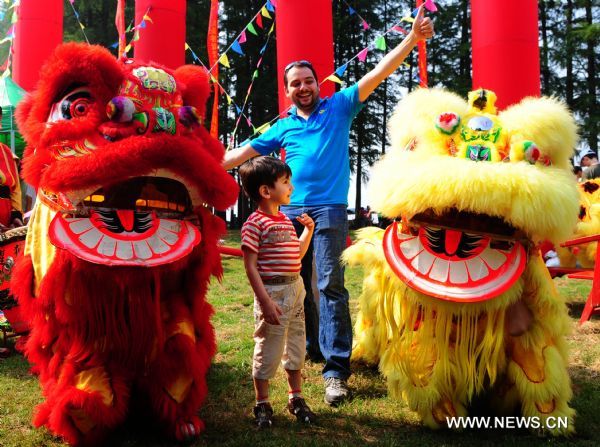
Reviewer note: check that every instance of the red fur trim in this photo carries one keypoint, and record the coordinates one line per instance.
(136, 156)
(195, 88)
(99, 317)
(55, 413)
(71, 63)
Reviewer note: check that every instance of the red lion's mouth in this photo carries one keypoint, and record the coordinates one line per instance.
(143, 221)
(457, 257)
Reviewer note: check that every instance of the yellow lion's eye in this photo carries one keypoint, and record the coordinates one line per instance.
(532, 154)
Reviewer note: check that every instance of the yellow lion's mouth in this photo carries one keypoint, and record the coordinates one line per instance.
(500, 233)
(457, 256)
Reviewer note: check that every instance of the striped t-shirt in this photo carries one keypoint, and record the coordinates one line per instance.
(274, 239)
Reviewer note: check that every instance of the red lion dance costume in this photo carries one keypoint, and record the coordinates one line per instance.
(121, 244)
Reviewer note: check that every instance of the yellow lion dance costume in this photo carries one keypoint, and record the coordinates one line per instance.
(588, 225)
(457, 304)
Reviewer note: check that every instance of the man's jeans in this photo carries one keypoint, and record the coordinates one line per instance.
(332, 324)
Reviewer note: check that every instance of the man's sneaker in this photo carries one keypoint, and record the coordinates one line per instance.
(336, 391)
(298, 408)
(263, 415)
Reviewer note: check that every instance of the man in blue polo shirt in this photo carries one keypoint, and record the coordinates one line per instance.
(316, 136)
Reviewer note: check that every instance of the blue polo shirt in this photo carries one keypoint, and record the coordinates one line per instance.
(316, 149)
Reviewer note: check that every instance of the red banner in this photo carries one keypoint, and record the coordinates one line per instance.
(38, 31)
(163, 39)
(212, 46)
(120, 24)
(506, 54)
(422, 45)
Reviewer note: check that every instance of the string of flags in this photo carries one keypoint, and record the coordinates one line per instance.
(352, 12)
(254, 77)
(136, 31)
(378, 44)
(81, 25)
(236, 46)
(256, 23)
(222, 90)
(239, 111)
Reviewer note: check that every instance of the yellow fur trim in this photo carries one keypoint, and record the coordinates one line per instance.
(180, 388)
(540, 200)
(548, 123)
(37, 244)
(407, 183)
(415, 115)
(588, 225)
(95, 380)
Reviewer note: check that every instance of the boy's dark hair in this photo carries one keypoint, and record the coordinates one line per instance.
(260, 171)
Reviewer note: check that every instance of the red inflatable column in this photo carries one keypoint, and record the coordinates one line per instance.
(304, 31)
(163, 38)
(39, 29)
(506, 56)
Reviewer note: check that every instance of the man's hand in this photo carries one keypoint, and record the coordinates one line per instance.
(422, 27)
(307, 221)
(271, 312)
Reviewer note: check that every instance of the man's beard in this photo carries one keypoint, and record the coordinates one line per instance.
(306, 107)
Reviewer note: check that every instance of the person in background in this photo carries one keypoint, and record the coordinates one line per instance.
(578, 172)
(11, 210)
(591, 168)
(316, 137)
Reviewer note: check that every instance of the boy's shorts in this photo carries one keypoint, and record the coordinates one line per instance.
(285, 342)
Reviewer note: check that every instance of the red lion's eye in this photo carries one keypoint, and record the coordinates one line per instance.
(80, 107)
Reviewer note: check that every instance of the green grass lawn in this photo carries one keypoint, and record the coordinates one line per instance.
(370, 418)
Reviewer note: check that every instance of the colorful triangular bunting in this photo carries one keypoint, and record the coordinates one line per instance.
(235, 46)
(362, 56)
(334, 78)
(251, 28)
(341, 70)
(224, 60)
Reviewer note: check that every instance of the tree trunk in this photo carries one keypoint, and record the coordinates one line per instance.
(385, 87)
(569, 54)
(357, 202)
(591, 84)
(544, 49)
(464, 68)
(359, 139)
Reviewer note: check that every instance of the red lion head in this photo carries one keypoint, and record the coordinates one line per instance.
(120, 149)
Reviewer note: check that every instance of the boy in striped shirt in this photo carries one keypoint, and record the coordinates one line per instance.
(272, 259)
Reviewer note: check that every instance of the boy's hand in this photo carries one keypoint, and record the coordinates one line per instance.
(271, 312)
(307, 221)
(422, 27)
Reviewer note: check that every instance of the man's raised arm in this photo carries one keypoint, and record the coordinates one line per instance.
(237, 156)
(422, 29)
